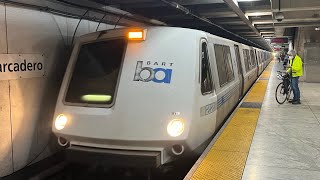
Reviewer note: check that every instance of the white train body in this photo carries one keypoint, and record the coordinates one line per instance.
(156, 80)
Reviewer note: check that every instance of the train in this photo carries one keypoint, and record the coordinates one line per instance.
(148, 96)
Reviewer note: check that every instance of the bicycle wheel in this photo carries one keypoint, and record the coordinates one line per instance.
(281, 95)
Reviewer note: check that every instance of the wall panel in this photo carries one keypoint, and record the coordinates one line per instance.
(5, 124)
(32, 100)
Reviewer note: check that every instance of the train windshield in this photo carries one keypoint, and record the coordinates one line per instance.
(95, 75)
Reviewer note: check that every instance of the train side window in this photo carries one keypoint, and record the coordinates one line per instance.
(206, 78)
(253, 59)
(265, 56)
(228, 61)
(247, 60)
(218, 49)
(224, 64)
(259, 57)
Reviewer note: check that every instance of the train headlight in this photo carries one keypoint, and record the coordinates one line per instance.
(175, 127)
(61, 121)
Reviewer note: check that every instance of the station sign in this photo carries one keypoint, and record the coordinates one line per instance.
(18, 66)
(279, 40)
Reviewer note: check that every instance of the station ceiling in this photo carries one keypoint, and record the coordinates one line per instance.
(251, 22)
(226, 18)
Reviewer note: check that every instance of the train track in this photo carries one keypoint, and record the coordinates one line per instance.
(66, 171)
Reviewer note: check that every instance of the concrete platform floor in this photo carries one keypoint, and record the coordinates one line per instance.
(286, 142)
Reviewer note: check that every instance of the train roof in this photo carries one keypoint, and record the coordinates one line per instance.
(186, 30)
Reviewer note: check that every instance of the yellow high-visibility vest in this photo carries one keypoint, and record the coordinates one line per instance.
(296, 66)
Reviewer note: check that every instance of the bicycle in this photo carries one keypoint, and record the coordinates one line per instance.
(284, 89)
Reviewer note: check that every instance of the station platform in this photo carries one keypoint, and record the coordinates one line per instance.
(265, 140)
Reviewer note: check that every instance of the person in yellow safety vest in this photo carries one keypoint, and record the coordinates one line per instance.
(295, 69)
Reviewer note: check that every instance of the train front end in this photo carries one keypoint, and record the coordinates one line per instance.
(127, 98)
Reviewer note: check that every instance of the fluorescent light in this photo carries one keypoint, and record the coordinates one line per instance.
(258, 13)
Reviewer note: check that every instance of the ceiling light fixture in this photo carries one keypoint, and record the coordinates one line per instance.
(257, 14)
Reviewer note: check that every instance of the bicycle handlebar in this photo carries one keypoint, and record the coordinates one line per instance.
(282, 72)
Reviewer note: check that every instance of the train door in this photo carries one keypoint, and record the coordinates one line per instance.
(240, 70)
(257, 61)
(207, 97)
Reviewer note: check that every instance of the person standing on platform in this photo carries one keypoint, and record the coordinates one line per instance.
(282, 56)
(295, 69)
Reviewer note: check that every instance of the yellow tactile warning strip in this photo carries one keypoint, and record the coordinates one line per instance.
(257, 92)
(227, 157)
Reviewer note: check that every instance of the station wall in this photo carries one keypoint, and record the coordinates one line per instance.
(306, 38)
(27, 104)
(305, 35)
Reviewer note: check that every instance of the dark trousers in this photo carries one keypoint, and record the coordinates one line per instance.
(295, 88)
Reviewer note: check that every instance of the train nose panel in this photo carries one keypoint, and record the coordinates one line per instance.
(114, 157)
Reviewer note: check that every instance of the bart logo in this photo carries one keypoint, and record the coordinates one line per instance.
(152, 74)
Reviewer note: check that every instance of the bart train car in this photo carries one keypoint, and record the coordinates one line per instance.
(145, 97)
